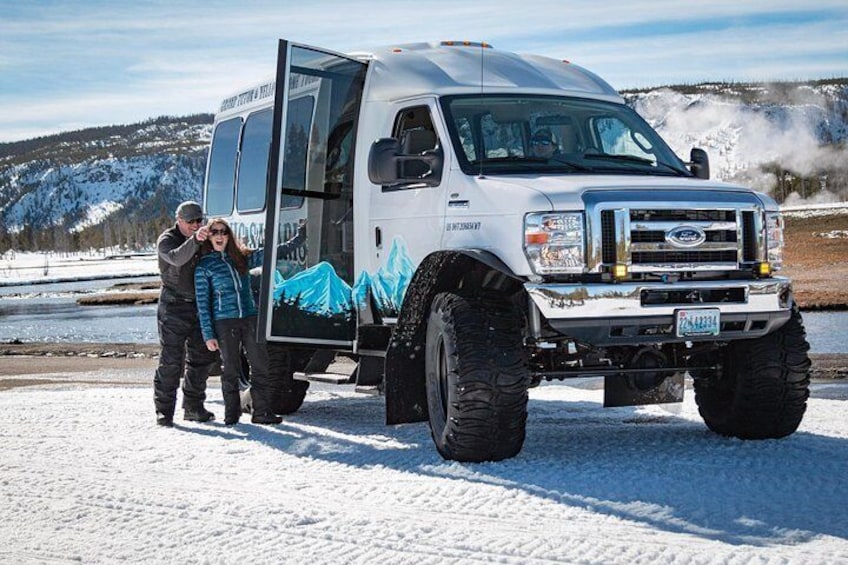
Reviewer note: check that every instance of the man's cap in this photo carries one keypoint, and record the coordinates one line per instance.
(190, 210)
(543, 135)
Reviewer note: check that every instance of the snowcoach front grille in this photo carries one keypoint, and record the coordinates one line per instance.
(653, 233)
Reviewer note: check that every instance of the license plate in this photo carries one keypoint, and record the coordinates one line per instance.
(697, 322)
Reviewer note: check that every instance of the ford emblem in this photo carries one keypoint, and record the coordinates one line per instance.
(685, 236)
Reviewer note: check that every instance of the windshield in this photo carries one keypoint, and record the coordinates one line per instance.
(510, 134)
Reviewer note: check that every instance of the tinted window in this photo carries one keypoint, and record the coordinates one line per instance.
(298, 123)
(617, 138)
(414, 128)
(322, 116)
(222, 168)
(253, 166)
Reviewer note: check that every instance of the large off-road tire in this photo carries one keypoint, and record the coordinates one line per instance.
(477, 377)
(762, 389)
(283, 362)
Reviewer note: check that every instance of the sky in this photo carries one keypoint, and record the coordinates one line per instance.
(70, 64)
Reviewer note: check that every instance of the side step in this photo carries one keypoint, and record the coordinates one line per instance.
(338, 371)
(339, 379)
(331, 378)
(366, 374)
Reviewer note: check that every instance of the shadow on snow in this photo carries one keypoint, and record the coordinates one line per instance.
(664, 471)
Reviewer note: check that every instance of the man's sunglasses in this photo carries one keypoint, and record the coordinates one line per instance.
(542, 142)
(223, 231)
(197, 221)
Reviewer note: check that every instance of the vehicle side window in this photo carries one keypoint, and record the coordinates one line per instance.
(253, 165)
(616, 138)
(298, 125)
(465, 130)
(220, 182)
(502, 139)
(416, 133)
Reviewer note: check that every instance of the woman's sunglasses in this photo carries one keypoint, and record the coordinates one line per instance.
(222, 231)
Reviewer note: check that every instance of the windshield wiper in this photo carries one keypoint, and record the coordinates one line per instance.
(610, 157)
(509, 159)
(632, 159)
(574, 165)
(553, 163)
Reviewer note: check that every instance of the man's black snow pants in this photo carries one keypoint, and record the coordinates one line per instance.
(184, 354)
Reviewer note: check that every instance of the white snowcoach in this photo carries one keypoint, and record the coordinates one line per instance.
(480, 221)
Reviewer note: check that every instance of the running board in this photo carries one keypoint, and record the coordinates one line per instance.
(339, 379)
(331, 378)
(366, 374)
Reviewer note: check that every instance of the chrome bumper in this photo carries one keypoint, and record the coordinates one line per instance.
(617, 313)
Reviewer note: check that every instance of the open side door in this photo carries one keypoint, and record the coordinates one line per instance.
(307, 292)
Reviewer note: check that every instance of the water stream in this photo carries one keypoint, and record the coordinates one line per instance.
(50, 313)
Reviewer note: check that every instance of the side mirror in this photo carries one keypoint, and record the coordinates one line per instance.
(383, 161)
(387, 166)
(699, 163)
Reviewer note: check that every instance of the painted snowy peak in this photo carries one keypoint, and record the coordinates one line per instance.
(319, 290)
(388, 285)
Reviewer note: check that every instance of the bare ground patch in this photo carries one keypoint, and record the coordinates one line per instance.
(817, 264)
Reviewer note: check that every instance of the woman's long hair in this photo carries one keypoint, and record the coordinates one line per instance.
(237, 252)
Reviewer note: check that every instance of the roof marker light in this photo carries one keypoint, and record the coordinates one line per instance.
(451, 43)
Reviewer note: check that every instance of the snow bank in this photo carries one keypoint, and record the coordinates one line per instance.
(85, 476)
(816, 210)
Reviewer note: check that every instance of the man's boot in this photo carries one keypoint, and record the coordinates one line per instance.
(198, 414)
(165, 420)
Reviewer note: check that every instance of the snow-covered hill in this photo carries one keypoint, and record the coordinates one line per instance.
(74, 181)
(802, 128)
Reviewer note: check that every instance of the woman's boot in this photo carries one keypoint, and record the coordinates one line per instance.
(232, 408)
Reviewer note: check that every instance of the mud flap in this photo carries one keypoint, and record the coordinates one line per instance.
(624, 390)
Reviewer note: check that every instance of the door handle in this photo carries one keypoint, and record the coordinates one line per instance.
(378, 238)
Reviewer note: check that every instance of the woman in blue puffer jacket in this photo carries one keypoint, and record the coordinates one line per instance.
(227, 316)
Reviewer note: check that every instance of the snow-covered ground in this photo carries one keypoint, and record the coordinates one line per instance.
(86, 477)
(811, 211)
(28, 267)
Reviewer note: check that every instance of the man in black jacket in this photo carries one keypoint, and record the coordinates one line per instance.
(184, 353)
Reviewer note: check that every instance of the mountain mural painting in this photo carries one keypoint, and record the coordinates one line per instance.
(317, 302)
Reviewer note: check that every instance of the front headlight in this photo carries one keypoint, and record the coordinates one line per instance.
(554, 242)
(774, 240)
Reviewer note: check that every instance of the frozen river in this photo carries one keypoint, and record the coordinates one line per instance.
(50, 313)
